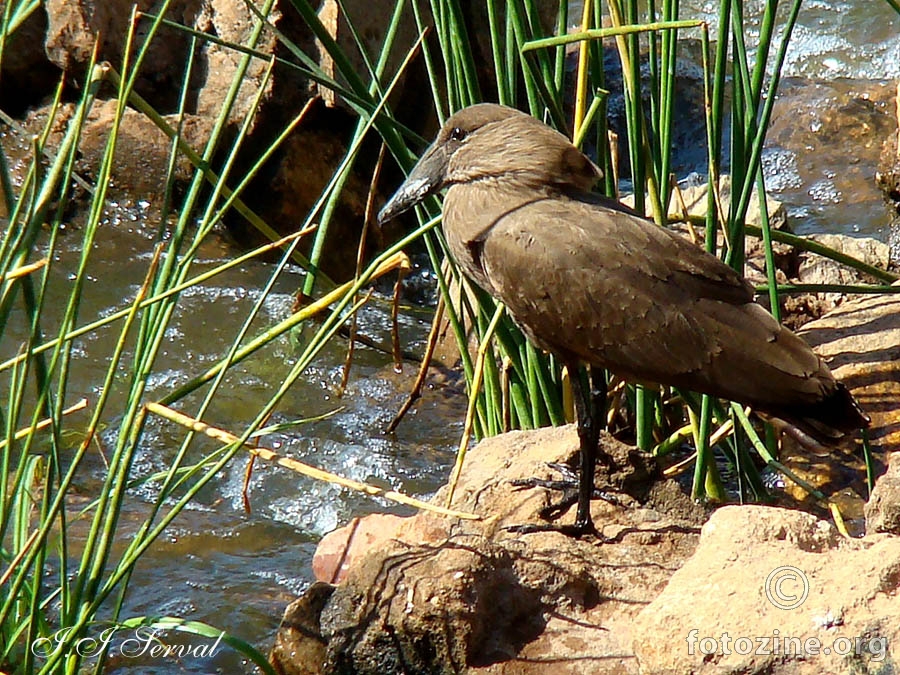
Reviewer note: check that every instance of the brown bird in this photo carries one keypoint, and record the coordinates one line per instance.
(591, 281)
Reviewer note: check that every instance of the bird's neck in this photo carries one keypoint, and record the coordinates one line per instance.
(471, 212)
(471, 209)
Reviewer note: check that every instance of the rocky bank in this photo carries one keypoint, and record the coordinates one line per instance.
(669, 588)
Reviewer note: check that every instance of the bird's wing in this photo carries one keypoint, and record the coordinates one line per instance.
(616, 290)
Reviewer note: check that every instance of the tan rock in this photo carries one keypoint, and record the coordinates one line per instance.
(761, 573)
(860, 341)
(814, 269)
(695, 203)
(299, 645)
(463, 594)
(141, 163)
(883, 507)
(340, 548)
(370, 18)
(75, 26)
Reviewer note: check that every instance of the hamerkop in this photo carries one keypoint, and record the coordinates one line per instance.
(591, 281)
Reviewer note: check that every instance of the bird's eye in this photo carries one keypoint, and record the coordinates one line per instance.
(457, 134)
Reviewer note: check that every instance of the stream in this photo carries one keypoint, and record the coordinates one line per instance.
(237, 571)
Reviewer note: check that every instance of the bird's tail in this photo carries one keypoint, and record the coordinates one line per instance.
(829, 419)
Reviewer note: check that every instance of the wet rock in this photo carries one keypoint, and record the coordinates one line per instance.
(141, 161)
(76, 25)
(888, 175)
(736, 591)
(883, 508)
(25, 72)
(451, 594)
(887, 178)
(822, 148)
(370, 18)
(284, 93)
(689, 122)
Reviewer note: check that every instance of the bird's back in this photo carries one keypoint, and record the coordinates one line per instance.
(589, 280)
(617, 291)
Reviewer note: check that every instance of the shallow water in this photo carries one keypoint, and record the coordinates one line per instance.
(831, 39)
(237, 571)
(218, 564)
(822, 170)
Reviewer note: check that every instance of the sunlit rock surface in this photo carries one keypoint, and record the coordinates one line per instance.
(441, 595)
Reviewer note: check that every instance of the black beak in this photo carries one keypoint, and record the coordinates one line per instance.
(426, 178)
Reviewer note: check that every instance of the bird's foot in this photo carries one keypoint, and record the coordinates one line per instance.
(576, 530)
(568, 485)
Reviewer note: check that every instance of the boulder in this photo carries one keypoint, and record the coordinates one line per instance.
(141, 162)
(26, 74)
(823, 146)
(883, 507)
(775, 591)
(432, 594)
(447, 595)
(76, 25)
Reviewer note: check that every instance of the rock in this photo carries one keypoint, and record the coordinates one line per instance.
(860, 341)
(888, 175)
(446, 595)
(141, 162)
(76, 25)
(25, 72)
(814, 269)
(823, 146)
(369, 19)
(299, 645)
(689, 121)
(887, 178)
(883, 507)
(695, 199)
(286, 90)
(695, 202)
(441, 595)
(340, 548)
(762, 573)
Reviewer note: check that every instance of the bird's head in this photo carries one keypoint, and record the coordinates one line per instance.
(488, 142)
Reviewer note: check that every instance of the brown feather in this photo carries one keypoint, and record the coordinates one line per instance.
(589, 279)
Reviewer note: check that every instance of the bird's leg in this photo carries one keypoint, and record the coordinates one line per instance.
(588, 409)
(598, 395)
(586, 413)
(598, 411)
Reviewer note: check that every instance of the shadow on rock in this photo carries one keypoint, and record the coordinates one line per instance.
(452, 596)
